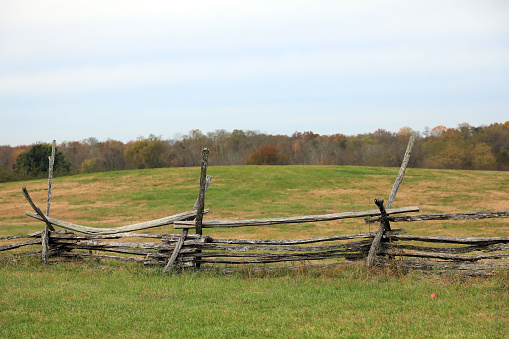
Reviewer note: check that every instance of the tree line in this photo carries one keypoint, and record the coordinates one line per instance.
(464, 147)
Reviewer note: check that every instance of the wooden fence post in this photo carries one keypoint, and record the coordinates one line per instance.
(201, 196)
(47, 227)
(199, 206)
(401, 173)
(384, 222)
(384, 226)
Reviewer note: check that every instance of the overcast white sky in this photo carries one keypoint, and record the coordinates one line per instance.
(71, 70)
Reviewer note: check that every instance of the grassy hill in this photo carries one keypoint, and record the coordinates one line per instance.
(117, 198)
(99, 299)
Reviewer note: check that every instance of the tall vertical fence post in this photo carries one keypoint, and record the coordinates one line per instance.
(201, 196)
(48, 227)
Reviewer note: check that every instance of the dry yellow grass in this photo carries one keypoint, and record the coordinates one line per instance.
(119, 198)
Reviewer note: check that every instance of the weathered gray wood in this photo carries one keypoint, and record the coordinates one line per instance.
(447, 256)
(302, 219)
(100, 256)
(384, 226)
(50, 177)
(208, 180)
(167, 254)
(45, 236)
(444, 216)
(176, 237)
(70, 247)
(184, 225)
(163, 237)
(45, 245)
(29, 235)
(401, 173)
(352, 246)
(314, 251)
(135, 227)
(38, 213)
(454, 250)
(451, 240)
(98, 244)
(19, 244)
(281, 258)
(198, 206)
(299, 241)
(201, 196)
(176, 251)
(47, 227)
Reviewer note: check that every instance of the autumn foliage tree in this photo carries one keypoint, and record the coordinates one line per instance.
(465, 147)
(148, 152)
(268, 155)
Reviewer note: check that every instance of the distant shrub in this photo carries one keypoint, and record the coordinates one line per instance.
(268, 155)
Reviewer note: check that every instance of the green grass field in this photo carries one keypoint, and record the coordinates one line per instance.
(104, 299)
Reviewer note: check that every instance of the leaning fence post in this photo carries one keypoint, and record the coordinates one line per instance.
(45, 234)
(401, 173)
(384, 222)
(384, 226)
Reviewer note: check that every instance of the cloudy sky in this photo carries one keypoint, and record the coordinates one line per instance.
(71, 70)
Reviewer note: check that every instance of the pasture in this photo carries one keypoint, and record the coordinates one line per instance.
(101, 299)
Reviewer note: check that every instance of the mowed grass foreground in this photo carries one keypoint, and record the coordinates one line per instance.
(103, 299)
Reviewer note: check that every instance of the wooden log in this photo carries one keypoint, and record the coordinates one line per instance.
(166, 255)
(280, 259)
(128, 228)
(29, 235)
(384, 226)
(323, 252)
(451, 240)
(97, 244)
(143, 252)
(82, 255)
(401, 173)
(176, 251)
(38, 213)
(208, 180)
(45, 236)
(45, 245)
(162, 237)
(50, 177)
(176, 237)
(302, 219)
(298, 241)
(457, 250)
(353, 246)
(201, 196)
(444, 216)
(447, 256)
(184, 224)
(20, 244)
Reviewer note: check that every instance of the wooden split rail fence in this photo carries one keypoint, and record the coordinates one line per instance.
(384, 247)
